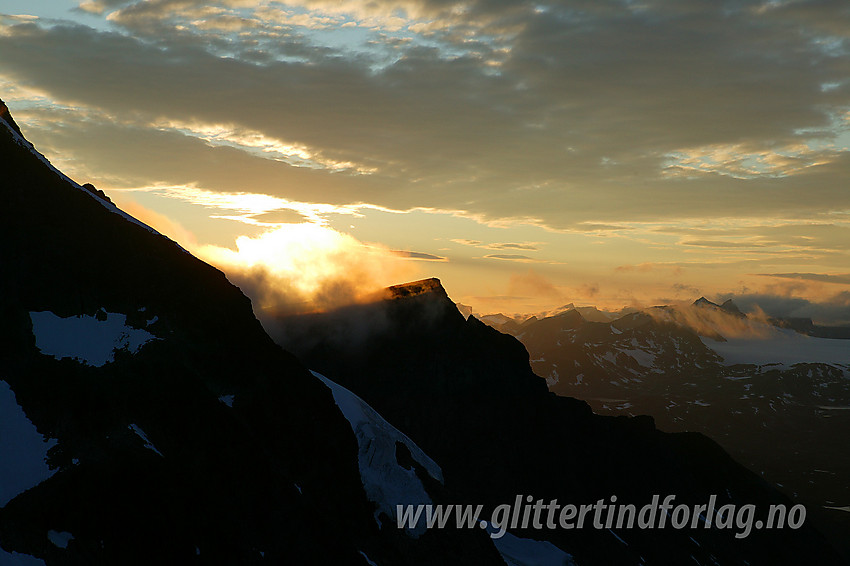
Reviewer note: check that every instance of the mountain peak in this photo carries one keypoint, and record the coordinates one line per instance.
(730, 306)
(573, 316)
(703, 302)
(415, 288)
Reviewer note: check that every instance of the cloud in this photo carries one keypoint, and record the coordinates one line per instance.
(723, 244)
(483, 98)
(301, 268)
(285, 216)
(258, 143)
(588, 291)
(708, 321)
(511, 257)
(161, 223)
(833, 310)
(642, 267)
(513, 246)
(843, 278)
(100, 6)
(419, 255)
(529, 246)
(595, 227)
(687, 289)
(687, 135)
(532, 283)
(742, 162)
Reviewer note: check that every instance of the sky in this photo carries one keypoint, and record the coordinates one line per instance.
(529, 154)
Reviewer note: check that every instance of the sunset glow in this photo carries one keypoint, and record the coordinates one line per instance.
(528, 155)
(305, 267)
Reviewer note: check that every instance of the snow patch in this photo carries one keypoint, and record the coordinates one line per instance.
(17, 559)
(85, 338)
(781, 346)
(141, 434)
(60, 539)
(23, 463)
(367, 559)
(518, 551)
(642, 357)
(386, 482)
(227, 400)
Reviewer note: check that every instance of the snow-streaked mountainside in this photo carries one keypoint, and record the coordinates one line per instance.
(386, 481)
(146, 417)
(390, 479)
(776, 398)
(465, 394)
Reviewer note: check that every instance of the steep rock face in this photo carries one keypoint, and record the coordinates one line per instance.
(179, 432)
(777, 405)
(216, 485)
(6, 116)
(467, 396)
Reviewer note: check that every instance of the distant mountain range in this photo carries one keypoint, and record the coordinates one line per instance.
(146, 417)
(774, 392)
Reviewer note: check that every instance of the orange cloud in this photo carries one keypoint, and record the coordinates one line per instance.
(161, 223)
(300, 268)
(534, 284)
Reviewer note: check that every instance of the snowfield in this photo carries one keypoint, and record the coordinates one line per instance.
(85, 338)
(141, 434)
(781, 346)
(386, 482)
(23, 464)
(17, 559)
(518, 551)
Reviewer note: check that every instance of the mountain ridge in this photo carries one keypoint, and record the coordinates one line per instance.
(205, 441)
(455, 373)
(770, 395)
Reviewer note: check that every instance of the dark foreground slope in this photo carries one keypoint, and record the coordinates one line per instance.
(205, 444)
(466, 394)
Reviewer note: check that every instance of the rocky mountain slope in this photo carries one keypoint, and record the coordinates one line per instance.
(775, 398)
(466, 394)
(146, 417)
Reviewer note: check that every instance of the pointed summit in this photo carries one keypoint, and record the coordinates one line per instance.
(730, 307)
(570, 318)
(703, 302)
